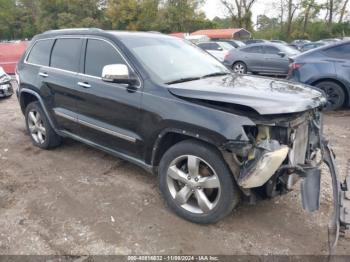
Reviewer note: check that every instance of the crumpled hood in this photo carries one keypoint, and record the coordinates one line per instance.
(265, 95)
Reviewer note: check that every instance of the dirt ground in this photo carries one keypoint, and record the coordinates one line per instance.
(78, 200)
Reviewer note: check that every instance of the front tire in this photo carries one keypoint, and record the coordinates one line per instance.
(39, 128)
(196, 182)
(240, 68)
(335, 94)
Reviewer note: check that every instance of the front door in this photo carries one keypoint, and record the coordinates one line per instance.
(109, 113)
(275, 62)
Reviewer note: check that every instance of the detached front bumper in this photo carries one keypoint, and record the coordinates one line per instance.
(340, 220)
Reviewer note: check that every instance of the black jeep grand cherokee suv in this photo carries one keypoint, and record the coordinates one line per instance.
(162, 103)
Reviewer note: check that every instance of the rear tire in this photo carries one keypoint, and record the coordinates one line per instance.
(335, 94)
(39, 128)
(240, 68)
(196, 182)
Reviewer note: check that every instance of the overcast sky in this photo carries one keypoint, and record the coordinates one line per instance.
(214, 8)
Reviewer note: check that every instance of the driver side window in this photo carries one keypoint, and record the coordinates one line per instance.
(99, 54)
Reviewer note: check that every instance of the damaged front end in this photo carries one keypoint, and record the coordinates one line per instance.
(281, 152)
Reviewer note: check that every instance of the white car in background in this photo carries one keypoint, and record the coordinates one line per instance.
(6, 88)
(217, 49)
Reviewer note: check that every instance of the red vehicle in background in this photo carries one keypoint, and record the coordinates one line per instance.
(10, 53)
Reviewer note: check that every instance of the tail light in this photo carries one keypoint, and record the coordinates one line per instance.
(295, 66)
(227, 55)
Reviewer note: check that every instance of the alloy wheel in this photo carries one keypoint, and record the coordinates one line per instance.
(36, 127)
(334, 97)
(193, 184)
(239, 68)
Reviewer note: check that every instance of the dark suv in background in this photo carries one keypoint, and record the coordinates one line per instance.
(327, 68)
(171, 108)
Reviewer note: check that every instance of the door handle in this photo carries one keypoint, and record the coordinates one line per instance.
(43, 74)
(85, 85)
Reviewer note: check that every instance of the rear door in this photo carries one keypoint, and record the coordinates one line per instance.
(109, 113)
(38, 57)
(340, 56)
(58, 81)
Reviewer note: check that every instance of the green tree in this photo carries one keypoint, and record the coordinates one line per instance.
(55, 14)
(240, 12)
(8, 19)
(123, 14)
(182, 15)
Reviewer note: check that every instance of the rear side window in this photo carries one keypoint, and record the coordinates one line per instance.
(66, 54)
(253, 49)
(40, 53)
(271, 50)
(340, 51)
(99, 54)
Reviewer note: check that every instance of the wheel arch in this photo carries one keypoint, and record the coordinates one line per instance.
(240, 61)
(27, 96)
(171, 137)
(340, 83)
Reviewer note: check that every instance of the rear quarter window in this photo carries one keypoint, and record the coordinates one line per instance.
(340, 51)
(40, 53)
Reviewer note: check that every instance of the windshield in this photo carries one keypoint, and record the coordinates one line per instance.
(170, 59)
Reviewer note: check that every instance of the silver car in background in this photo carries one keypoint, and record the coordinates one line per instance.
(217, 49)
(263, 58)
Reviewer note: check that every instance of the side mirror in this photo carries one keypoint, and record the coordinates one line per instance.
(281, 54)
(117, 73)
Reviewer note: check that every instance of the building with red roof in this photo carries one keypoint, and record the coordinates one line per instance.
(231, 33)
(179, 34)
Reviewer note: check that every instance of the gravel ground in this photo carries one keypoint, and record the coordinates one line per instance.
(77, 200)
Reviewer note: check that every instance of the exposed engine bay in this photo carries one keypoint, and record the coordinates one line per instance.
(280, 153)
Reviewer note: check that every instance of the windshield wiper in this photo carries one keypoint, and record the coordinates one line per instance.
(182, 80)
(215, 74)
(188, 79)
